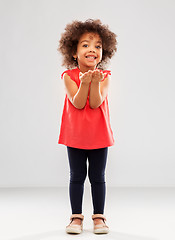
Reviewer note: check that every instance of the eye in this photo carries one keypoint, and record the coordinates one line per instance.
(98, 46)
(85, 45)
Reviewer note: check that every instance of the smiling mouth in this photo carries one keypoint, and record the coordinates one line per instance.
(91, 57)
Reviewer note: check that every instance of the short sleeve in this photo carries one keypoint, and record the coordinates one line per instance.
(68, 72)
(106, 72)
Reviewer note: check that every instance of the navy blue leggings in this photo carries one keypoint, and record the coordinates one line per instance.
(96, 173)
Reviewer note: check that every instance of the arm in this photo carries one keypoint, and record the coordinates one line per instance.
(98, 92)
(77, 96)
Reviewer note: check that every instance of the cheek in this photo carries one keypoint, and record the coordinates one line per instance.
(81, 51)
(100, 54)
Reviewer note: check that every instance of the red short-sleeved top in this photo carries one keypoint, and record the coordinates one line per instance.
(85, 128)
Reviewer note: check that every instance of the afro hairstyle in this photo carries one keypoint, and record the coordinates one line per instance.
(70, 38)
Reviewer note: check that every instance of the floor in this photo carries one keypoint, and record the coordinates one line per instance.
(43, 213)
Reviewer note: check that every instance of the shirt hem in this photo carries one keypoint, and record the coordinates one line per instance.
(85, 147)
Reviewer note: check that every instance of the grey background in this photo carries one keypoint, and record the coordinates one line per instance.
(141, 95)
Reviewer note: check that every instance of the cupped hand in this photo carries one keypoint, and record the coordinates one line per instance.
(97, 76)
(86, 77)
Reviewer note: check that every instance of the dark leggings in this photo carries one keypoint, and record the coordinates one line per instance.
(96, 173)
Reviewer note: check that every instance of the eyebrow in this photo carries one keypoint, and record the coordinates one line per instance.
(88, 41)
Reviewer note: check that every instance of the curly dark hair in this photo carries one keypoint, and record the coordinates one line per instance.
(73, 31)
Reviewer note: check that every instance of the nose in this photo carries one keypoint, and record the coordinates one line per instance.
(92, 51)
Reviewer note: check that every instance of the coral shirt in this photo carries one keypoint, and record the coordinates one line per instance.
(85, 128)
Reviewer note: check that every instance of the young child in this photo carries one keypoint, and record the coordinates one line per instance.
(85, 127)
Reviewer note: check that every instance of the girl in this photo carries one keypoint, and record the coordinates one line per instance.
(85, 127)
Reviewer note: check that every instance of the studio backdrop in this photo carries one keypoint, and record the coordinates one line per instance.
(141, 95)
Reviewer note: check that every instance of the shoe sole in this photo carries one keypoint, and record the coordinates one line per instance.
(75, 231)
(101, 231)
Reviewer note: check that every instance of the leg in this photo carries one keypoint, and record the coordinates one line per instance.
(96, 172)
(78, 171)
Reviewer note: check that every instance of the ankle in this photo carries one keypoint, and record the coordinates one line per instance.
(77, 221)
(98, 221)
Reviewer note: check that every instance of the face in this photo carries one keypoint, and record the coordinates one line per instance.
(89, 51)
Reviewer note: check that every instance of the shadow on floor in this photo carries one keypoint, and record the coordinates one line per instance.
(87, 234)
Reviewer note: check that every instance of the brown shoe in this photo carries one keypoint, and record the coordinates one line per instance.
(75, 228)
(100, 228)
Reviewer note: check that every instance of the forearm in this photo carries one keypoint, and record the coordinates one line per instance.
(95, 97)
(80, 98)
